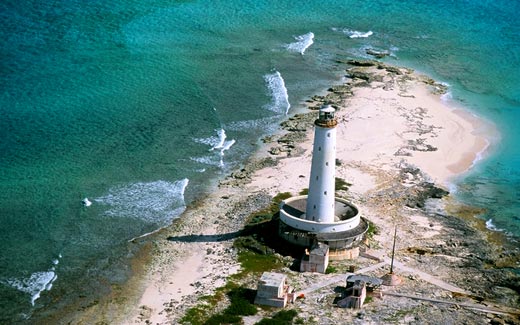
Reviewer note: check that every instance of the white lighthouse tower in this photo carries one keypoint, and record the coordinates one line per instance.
(320, 217)
(320, 201)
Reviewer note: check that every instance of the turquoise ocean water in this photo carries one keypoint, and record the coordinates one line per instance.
(142, 106)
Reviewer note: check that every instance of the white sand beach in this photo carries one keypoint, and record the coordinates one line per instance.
(393, 123)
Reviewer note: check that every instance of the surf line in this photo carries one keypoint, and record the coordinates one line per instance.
(222, 145)
(278, 92)
(303, 42)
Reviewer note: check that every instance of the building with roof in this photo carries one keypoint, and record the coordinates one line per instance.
(273, 290)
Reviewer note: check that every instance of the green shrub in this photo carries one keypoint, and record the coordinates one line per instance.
(267, 213)
(195, 316)
(280, 197)
(372, 230)
(341, 184)
(253, 262)
(241, 304)
(223, 319)
(282, 317)
(331, 269)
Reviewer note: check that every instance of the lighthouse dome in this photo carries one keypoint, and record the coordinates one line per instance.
(326, 117)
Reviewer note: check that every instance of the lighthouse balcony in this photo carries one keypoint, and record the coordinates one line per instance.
(346, 216)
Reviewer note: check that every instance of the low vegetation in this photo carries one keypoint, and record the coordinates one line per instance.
(241, 304)
(372, 230)
(283, 317)
(331, 269)
(341, 184)
(256, 254)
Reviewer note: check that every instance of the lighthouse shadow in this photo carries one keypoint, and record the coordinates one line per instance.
(201, 238)
(262, 238)
(259, 238)
(213, 238)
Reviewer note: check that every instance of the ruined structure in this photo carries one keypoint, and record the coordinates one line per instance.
(356, 295)
(273, 290)
(315, 260)
(356, 290)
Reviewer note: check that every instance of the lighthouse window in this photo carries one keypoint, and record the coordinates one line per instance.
(317, 177)
(314, 207)
(319, 148)
(328, 134)
(325, 192)
(327, 163)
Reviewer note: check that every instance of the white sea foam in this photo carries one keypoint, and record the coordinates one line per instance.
(278, 92)
(221, 139)
(356, 34)
(218, 143)
(222, 144)
(452, 188)
(491, 226)
(302, 43)
(36, 283)
(86, 202)
(205, 160)
(448, 95)
(262, 123)
(353, 33)
(157, 202)
(226, 146)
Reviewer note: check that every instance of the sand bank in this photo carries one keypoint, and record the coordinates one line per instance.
(394, 135)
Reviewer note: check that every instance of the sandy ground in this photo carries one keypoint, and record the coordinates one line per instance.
(377, 128)
(397, 119)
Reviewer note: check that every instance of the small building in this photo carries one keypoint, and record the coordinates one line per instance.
(370, 281)
(316, 260)
(273, 290)
(356, 295)
(356, 290)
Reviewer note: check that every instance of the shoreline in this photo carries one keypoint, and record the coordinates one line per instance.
(386, 162)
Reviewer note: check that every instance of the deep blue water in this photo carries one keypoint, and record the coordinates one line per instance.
(142, 106)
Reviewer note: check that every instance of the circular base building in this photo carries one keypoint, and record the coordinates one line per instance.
(342, 235)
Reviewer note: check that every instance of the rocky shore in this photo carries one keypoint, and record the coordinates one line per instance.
(397, 151)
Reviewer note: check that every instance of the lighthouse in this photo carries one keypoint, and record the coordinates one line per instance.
(321, 218)
(320, 202)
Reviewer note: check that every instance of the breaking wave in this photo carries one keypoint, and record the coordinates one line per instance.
(278, 92)
(155, 202)
(265, 124)
(491, 226)
(36, 283)
(218, 144)
(303, 42)
(353, 33)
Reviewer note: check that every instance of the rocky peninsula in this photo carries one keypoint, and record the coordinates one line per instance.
(399, 145)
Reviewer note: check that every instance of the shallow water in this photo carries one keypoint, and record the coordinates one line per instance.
(141, 107)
